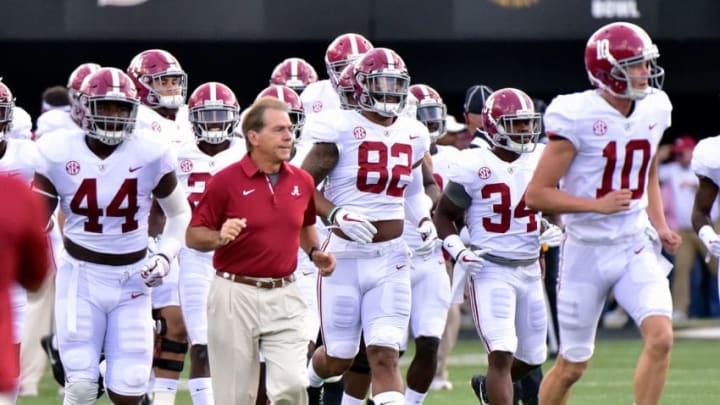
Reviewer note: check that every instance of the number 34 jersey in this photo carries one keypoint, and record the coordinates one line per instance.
(105, 201)
(497, 218)
(374, 163)
(613, 152)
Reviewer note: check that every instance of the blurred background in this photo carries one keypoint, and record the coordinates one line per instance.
(535, 45)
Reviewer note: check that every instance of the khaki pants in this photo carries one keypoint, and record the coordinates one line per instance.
(691, 247)
(38, 323)
(243, 321)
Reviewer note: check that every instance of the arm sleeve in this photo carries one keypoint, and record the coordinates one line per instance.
(417, 204)
(177, 213)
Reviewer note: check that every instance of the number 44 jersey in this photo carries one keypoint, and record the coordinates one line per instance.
(105, 201)
(613, 152)
(374, 163)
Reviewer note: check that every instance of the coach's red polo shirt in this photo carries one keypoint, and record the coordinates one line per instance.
(268, 246)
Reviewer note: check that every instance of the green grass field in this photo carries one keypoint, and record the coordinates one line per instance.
(694, 376)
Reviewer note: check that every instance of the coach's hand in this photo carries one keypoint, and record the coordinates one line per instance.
(325, 262)
(230, 229)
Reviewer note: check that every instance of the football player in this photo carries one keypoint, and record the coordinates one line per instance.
(214, 114)
(162, 88)
(342, 51)
(104, 182)
(602, 152)
(366, 158)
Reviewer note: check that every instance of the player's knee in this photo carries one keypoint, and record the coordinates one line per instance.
(382, 358)
(569, 372)
(81, 392)
(360, 364)
(659, 342)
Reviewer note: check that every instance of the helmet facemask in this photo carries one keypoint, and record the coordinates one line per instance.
(433, 117)
(100, 123)
(6, 116)
(620, 71)
(511, 136)
(161, 94)
(384, 92)
(214, 124)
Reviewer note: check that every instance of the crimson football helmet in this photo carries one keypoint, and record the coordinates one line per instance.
(381, 82)
(342, 51)
(429, 109)
(74, 83)
(295, 73)
(614, 47)
(289, 96)
(109, 105)
(346, 88)
(154, 69)
(214, 112)
(510, 121)
(7, 104)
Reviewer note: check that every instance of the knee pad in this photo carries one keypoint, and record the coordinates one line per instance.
(170, 346)
(81, 392)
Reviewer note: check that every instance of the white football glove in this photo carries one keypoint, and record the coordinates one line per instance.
(156, 267)
(428, 236)
(467, 263)
(552, 236)
(710, 239)
(356, 226)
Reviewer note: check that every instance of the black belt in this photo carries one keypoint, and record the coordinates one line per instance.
(108, 259)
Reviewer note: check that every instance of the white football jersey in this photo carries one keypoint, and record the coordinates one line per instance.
(498, 218)
(21, 124)
(53, 120)
(613, 152)
(442, 160)
(106, 202)
(705, 160)
(319, 96)
(20, 159)
(375, 162)
(177, 132)
(195, 168)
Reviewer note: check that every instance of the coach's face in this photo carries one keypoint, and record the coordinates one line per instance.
(274, 141)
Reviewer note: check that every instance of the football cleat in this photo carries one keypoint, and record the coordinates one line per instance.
(478, 385)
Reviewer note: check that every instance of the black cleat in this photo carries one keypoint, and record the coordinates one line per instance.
(478, 385)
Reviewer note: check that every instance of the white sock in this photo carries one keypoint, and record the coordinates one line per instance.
(389, 398)
(413, 397)
(348, 400)
(164, 390)
(201, 391)
(315, 380)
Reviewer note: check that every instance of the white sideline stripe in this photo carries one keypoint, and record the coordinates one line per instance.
(699, 333)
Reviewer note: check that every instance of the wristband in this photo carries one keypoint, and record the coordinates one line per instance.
(311, 251)
(706, 234)
(331, 215)
(453, 245)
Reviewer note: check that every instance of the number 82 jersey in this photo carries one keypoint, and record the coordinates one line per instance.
(374, 162)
